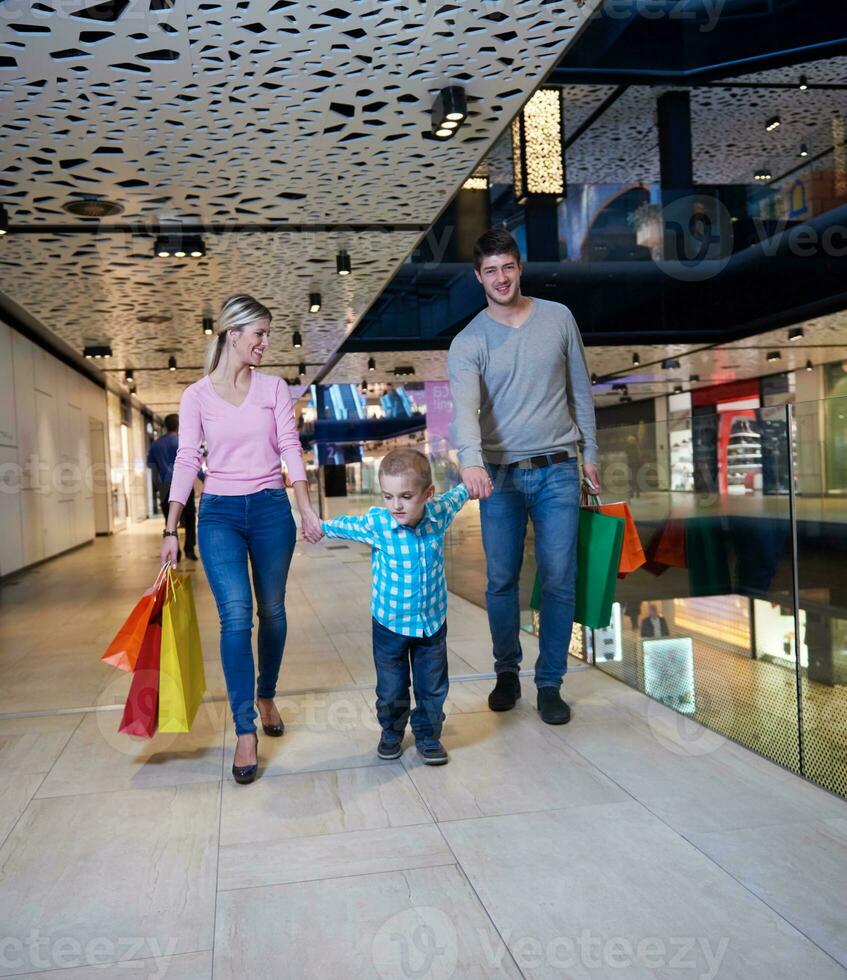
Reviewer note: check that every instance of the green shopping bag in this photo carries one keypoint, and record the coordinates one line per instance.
(706, 548)
(598, 554)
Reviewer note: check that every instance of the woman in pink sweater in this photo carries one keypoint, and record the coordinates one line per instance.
(247, 421)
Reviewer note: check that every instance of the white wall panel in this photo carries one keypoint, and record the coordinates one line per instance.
(11, 543)
(8, 429)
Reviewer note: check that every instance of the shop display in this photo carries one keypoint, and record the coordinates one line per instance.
(669, 672)
(682, 462)
(774, 629)
(743, 453)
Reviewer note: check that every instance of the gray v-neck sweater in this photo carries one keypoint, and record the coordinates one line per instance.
(521, 392)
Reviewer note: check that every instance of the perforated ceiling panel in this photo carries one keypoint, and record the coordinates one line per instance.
(248, 111)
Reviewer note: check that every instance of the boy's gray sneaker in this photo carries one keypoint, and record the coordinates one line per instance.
(432, 752)
(389, 748)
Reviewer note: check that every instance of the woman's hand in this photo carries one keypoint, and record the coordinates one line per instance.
(170, 547)
(311, 525)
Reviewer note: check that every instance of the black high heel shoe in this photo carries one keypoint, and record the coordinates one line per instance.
(246, 774)
(273, 730)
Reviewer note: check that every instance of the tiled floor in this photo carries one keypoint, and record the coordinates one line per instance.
(622, 845)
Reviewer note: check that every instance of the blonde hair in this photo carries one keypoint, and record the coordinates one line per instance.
(401, 461)
(237, 312)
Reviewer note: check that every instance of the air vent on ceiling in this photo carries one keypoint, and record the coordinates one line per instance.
(93, 208)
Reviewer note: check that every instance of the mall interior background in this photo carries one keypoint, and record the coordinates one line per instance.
(720, 374)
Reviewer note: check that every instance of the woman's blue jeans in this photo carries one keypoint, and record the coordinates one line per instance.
(261, 526)
(549, 496)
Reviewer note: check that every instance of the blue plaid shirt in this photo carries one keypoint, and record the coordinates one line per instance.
(409, 593)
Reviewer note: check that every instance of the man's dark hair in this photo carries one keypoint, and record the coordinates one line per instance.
(495, 241)
(171, 423)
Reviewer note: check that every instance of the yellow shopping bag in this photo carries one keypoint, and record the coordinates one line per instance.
(182, 680)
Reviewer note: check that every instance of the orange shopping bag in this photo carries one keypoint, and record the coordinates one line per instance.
(124, 649)
(632, 552)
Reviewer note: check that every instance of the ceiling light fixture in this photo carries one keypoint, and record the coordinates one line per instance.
(208, 324)
(476, 182)
(404, 371)
(172, 363)
(314, 302)
(772, 124)
(371, 364)
(129, 375)
(594, 379)
(342, 263)
(796, 333)
(96, 351)
(803, 83)
(693, 377)
(677, 389)
(301, 368)
(297, 340)
(4, 220)
(364, 387)
(670, 364)
(179, 246)
(763, 174)
(93, 207)
(774, 355)
(449, 111)
(809, 365)
(538, 158)
(804, 150)
(636, 360)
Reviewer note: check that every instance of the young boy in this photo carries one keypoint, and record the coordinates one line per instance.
(408, 600)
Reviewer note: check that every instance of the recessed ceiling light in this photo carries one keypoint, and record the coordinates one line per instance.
(93, 207)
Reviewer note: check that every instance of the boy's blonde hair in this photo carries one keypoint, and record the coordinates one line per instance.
(401, 461)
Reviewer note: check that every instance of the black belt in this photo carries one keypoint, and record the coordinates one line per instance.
(538, 462)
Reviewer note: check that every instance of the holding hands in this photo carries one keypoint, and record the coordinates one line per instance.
(478, 482)
(311, 525)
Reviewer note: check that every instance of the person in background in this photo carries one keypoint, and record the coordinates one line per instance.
(160, 458)
(408, 599)
(634, 461)
(653, 625)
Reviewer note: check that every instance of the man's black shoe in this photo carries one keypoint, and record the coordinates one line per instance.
(389, 748)
(191, 555)
(551, 707)
(506, 692)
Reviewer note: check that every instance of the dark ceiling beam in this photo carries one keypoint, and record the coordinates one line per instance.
(185, 228)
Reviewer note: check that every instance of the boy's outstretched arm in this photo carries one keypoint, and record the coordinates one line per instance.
(351, 528)
(445, 508)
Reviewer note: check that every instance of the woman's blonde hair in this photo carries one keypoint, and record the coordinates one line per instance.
(237, 312)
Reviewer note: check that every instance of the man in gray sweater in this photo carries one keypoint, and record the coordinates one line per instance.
(522, 404)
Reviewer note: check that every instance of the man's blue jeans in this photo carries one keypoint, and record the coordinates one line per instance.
(550, 497)
(259, 525)
(427, 656)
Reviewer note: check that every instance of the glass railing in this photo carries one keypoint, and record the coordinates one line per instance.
(743, 518)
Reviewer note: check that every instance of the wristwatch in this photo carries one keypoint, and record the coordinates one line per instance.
(170, 534)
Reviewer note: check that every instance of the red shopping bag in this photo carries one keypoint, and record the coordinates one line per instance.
(142, 704)
(667, 547)
(124, 650)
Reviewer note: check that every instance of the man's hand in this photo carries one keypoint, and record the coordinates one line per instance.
(478, 482)
(592, 477)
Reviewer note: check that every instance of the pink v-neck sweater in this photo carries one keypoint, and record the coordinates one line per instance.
(244, 442)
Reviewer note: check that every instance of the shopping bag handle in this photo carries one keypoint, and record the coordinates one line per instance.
(162, 574)
(586, 496)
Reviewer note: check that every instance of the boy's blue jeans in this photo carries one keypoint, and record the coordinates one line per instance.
(550, 496)
(261, 526)
(394, 654)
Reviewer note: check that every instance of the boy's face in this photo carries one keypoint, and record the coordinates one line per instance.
(405, 498)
